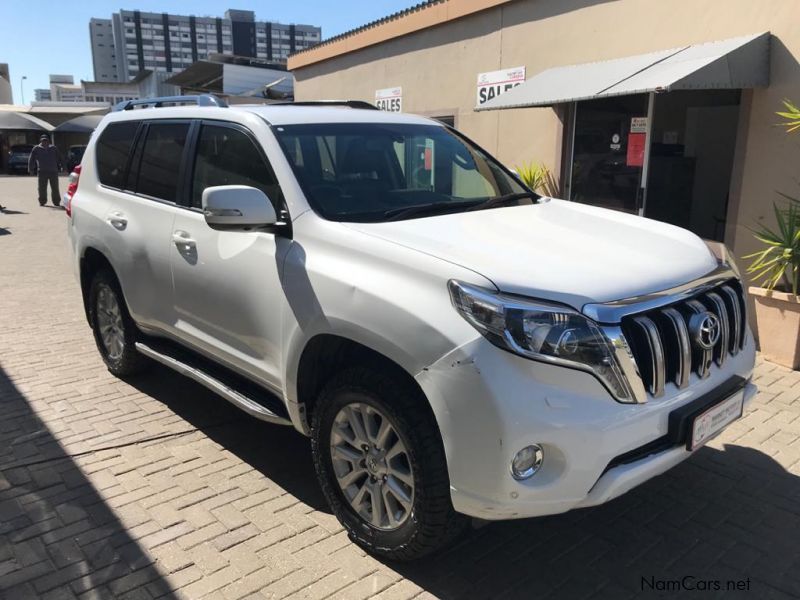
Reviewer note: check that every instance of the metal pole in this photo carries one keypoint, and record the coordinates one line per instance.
(651, 101)
(22, 87)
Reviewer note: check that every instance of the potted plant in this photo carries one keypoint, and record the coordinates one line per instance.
(538, 178)
(777, 269)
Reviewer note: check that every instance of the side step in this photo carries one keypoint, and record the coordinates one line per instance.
(180, 362)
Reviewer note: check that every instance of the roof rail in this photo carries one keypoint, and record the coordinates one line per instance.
(349, 103)
(199, 100)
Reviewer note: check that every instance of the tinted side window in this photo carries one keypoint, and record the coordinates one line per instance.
(161, 160)
(112, 152)
(227, 156)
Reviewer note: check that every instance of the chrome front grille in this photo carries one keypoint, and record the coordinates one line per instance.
(670, 342)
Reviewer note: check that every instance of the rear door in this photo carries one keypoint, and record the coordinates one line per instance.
(228, 293)
(141, 215)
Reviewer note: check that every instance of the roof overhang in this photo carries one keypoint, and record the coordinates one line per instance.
(736, 63)
(202, 74)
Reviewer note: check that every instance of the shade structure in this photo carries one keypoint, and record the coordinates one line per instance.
(736, 63)
(11, 120)
(82, 124)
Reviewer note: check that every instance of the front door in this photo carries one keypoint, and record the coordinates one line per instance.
(227, 291)
(608, 152)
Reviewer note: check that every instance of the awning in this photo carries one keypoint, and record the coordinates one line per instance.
(22, 121)
(82, 124)
(730, 64)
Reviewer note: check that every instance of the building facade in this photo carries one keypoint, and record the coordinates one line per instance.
(104, 58)
(664, 109)
(6, 93)
(167, 43)
(64, 89)
(42, 95)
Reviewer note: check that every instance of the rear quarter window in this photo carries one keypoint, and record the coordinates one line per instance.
(113, 149)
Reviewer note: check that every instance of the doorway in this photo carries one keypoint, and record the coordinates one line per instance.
(692, 144)
(691, 159)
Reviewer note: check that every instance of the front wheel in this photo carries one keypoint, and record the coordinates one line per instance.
(380, 461)
(114, 330)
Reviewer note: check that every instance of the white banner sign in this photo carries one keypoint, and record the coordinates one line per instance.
(389, 99)
(638, 124)
(494, 83)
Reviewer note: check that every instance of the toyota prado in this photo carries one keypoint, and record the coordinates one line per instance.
(454, 344)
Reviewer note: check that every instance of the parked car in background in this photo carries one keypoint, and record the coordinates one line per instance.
(454, 344)
(18, 156)
(74, 157)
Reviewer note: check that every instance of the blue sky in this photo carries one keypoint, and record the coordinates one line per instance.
(48, 36)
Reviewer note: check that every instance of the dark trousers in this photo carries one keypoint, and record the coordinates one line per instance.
(44, 178)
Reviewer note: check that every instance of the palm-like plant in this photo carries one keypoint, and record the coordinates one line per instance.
(539, 178)
(779, 261)
(791, 116)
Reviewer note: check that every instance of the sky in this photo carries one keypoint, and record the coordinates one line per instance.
(49, 36)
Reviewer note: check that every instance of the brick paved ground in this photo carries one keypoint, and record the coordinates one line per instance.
(156, 488)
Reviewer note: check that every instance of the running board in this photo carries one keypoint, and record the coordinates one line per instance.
(236, 398)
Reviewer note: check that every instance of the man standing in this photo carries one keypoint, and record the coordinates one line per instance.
(47, 161)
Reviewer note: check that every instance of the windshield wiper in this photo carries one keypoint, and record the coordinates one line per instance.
(498, 200)
(431, 208)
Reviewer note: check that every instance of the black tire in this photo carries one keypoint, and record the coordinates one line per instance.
(129, 361)
(432, 523)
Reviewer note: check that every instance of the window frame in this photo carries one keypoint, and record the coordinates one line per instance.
(131, 186)
(185, 199)
(128, 160)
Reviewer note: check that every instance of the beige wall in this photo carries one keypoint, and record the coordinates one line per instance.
(437, 69)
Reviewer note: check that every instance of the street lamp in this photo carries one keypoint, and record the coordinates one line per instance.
(22, 87)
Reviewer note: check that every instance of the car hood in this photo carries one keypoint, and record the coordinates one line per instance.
(558, 250)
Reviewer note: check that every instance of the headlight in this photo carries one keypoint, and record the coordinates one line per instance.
(542, 331)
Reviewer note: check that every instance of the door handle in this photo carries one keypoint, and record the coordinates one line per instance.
(117, 220)
(183, 240)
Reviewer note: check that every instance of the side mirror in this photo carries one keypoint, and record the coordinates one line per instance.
(237, 207)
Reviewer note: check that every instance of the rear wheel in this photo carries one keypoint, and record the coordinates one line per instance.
(114, 330)
(381, 465)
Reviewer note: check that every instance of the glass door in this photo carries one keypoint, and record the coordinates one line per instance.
(608, 152)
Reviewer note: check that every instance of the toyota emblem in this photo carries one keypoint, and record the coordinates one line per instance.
(705, 328)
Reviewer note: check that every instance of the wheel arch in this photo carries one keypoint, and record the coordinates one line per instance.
(326, 354)
(92, 261)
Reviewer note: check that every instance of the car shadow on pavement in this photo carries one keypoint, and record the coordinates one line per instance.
(278, 452)
(727, 517)
(57, 534)
(723, 516)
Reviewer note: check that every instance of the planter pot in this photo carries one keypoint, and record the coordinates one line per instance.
(778, 321)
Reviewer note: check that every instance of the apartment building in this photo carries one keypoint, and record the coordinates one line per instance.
(104, 58)
(167, 43)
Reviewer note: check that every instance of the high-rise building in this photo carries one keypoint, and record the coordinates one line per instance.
(6, 95)
(166, 43)
(104, 59)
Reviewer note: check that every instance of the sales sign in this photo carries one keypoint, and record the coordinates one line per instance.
(389, 99)
(494, 83)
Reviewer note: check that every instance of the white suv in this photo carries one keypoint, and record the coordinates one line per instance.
(453, 344)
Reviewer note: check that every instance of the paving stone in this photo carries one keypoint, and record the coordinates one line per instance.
(205, 502)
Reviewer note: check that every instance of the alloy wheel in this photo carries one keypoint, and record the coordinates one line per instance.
(372, 465)
(109, 322)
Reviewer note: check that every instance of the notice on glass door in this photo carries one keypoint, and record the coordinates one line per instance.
(635, 156)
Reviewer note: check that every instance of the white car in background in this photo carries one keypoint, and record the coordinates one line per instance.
(454, 344)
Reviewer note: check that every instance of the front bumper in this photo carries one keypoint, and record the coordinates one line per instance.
(489, 404)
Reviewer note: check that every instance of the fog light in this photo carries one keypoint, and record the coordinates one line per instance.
(527, 462)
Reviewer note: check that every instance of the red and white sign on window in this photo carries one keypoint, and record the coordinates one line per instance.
(494, 83)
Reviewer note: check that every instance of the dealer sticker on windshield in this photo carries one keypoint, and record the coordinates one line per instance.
(715, 419)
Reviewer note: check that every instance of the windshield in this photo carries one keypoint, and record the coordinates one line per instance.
(25, 149)
(369, 172)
